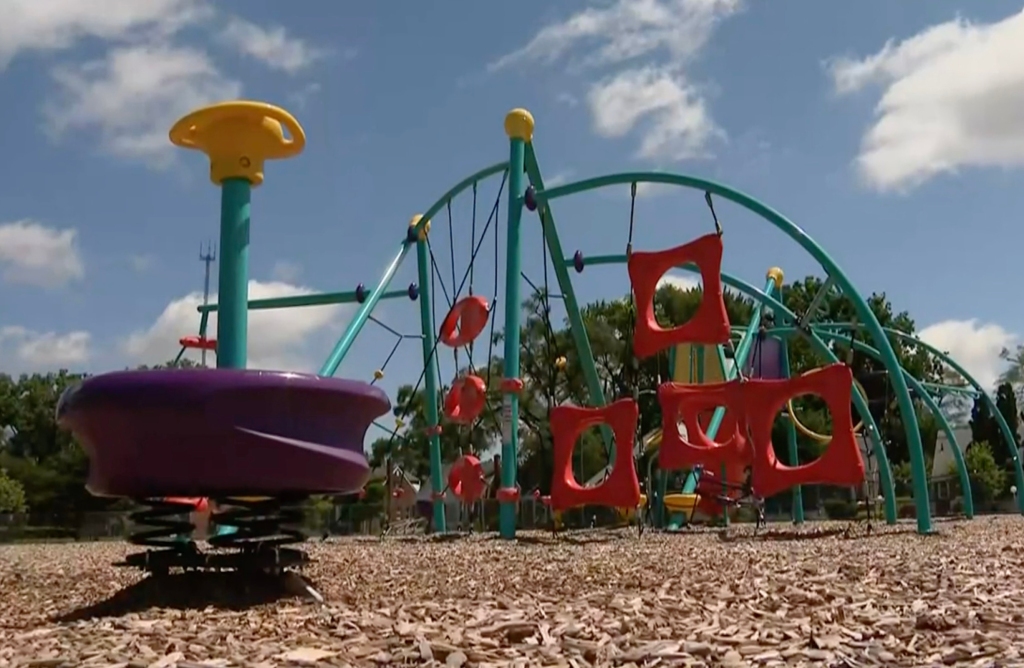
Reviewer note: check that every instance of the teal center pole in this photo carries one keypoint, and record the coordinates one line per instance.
(233, 278)
(430, 379)
(791, 441)
(519, 128)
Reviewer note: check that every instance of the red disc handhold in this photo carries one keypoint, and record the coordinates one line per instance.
(466, 479)
(198, 343)
(466, 400)
(464, 322)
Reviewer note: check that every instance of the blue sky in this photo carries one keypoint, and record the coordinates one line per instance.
(890, 131)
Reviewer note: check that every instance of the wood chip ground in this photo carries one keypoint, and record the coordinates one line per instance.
(603, 598)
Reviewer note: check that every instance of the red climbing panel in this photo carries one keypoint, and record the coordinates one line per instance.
(466, 479)
(686, 403)
(621, 489)
(841, 464)
(709, 325)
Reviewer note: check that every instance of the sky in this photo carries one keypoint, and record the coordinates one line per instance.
(890, 132)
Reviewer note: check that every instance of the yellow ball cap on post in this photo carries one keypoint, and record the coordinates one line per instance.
(519, 125)
(776, 274)
(415, 220)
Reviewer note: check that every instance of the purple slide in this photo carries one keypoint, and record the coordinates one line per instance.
(204, 432)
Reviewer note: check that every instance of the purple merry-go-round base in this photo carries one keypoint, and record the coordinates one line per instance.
(204, 432)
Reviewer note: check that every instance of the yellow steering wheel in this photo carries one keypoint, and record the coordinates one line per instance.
(238, 136)
(810, 433)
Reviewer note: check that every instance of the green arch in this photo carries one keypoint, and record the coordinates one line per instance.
(884, 468)
(839, 277)
(958, 455)
(1008, 436)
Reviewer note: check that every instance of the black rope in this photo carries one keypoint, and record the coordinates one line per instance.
(432, 357)
(451, 261)
(714, 216)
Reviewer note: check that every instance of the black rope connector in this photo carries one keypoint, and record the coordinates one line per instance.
(714, 216)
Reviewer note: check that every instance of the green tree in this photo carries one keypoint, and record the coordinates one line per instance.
(988, 479)
(12, 495)
(985, 426)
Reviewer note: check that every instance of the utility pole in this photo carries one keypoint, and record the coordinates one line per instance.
(207, 257)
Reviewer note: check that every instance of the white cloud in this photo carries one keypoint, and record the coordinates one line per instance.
(43, 351)
(134, 94)
(951, 98)
(975, 346)
(286, 271)
(680, 281)
(278, 339)
(54, 25)
(643, 49)
(272, 46)
(679, 126)
(33, 254)
(559, 178)
(142, 262)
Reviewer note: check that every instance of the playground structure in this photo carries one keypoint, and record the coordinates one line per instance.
(146, 431)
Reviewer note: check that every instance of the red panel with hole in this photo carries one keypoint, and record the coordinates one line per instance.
(621, 489)
(464, 322)
(709, 325)
(841, 464)
(466, 399)
(686, 403)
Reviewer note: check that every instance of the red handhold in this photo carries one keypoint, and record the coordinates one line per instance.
(466, 399)
(687, 403)
(841, 464)
(198, 343)
(512, 385)
(465, 321)
(621, 489)
(709, 325)
(199, 504)
(466, 479)
(508, 494)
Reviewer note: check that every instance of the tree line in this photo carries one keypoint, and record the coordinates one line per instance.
(43, 470)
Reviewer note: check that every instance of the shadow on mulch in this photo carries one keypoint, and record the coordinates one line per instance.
(228, 590)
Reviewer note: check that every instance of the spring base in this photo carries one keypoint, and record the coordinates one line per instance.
(252, 537)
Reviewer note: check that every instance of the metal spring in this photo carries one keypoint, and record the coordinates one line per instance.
(168, 526)
(260, 524)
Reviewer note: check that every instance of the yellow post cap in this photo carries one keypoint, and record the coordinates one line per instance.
(238, 136)
(776, 274)
(415, 220)
(519, 125)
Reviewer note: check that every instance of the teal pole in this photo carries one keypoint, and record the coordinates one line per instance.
(430, 380)
(742, 352)
(797, 511)
(233, 279)
(577, 328)
(519, 128)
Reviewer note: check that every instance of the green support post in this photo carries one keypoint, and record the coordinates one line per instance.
(797, 510)
(519, 128)
(430, 379)
(233, 277)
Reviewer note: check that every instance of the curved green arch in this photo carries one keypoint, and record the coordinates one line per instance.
(839, 277)
(1004, 428)
(860, 402)
(915, 384)
(362, 314)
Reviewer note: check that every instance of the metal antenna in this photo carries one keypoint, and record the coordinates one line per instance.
(207, 257)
